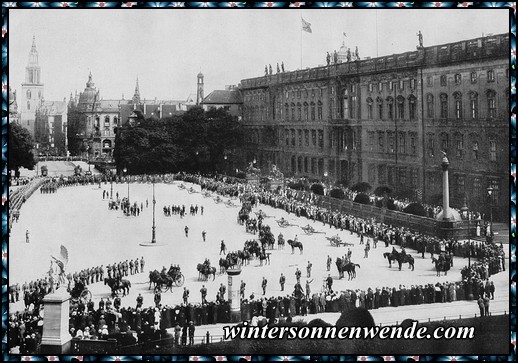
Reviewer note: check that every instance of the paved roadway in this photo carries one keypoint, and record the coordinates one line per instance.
(78, 218)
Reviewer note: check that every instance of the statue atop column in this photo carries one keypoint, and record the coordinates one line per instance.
(420, 38)
(57, 275)
(265, 70)
(357, 54)
(282, 66)
(328, 58)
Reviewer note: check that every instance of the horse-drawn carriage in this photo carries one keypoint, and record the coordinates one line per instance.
(283, 223)
(230, 204)
(181, 186)
(80, 292)
(218, 199)
(261, 214)
(166, 281)
(191, 190)
(206, 194)
(310, 230)
(336, 241)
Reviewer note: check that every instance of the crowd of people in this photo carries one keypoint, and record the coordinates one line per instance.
(130, 325)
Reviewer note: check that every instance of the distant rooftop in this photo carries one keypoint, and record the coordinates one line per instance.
(219, 97)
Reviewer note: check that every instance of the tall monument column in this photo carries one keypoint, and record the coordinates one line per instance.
(446, 211)
(233, 295)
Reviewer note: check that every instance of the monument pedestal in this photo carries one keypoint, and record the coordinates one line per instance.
(56, 338)
(233, 295)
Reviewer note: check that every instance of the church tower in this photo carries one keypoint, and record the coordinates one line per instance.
(199, 89)
(32, 90)
(136, 95)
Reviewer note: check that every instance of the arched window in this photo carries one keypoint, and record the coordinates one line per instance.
(444, 141)
(293, 164)
(369, 108)
(390, 107)
(400, 107)
(491, 103)
(444, 105)
(429, 105)
(475, 143)
(107, 121)
(28, 94)
(312, 111)
(107, 144)
(274, 106)
(28, 105)
(299, 112)
(412, 108)
(379, 102)
(345, 111)
(492, 148)
(473, 105)
(459, 145)
(286, 111)
(293, 117)
(458, 105)
(299, 164)
(306, 111)
(292, 137)
(319, 110)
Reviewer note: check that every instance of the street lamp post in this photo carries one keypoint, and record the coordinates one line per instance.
(466, 215)
(125, 171)
(490, 194)
(153, 228)
(111, 184)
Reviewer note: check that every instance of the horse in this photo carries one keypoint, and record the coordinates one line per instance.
(264, 257)
(244, 255)
(296, 244)
(266, 237)
(206, 271)
(441, 264)
(403, 258)
(154, 276)
(117, 285)
(350, 268)
(391, 257)
(280, 242)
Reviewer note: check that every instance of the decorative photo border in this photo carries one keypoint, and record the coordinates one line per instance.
(512, 112)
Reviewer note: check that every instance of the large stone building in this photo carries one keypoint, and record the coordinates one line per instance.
(93, 121)
(386, 120)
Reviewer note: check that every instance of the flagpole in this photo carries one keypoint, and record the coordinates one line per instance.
(301, 44)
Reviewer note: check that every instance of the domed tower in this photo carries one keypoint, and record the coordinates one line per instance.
(199, 89)
(32, 90)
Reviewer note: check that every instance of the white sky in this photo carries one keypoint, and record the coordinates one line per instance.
(168, 47)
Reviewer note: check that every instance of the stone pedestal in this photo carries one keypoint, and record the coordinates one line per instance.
(233, 294)
(56, 338)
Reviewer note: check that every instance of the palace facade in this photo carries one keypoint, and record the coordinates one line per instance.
(386, 120)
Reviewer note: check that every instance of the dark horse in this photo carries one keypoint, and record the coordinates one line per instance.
(206, 271)
(348, 267)
(244, 255)
(118, 285)
(296, 244)
(400, 258)
(264, 256)
(442, 264)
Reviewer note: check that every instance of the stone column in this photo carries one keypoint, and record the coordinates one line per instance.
(446, 213)
(233, 294)
(56, 338)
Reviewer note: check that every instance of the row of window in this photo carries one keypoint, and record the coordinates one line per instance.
(473, 105)
(107, 123)
(385, 108)
(308, 165)
(459, 149)
(393, 175)
(401, 143)
(462, 184)
(400, 85)
(305, 137)
(457, 78)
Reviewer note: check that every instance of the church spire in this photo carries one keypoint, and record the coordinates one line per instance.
(90, 83)
(136, 95)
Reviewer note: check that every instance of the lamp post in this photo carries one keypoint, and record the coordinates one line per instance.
(490, 194)
(125, 171)
(226, 163)
(111, 184)
(153, 228)
(466, 215)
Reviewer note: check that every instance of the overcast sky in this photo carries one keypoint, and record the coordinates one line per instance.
(167, 48)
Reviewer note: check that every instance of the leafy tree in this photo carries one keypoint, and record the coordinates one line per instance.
(361, 187)
(382, 190)
(415, 209)
(337, 193)
(317, 188)
(362, 198)
(21, 148)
